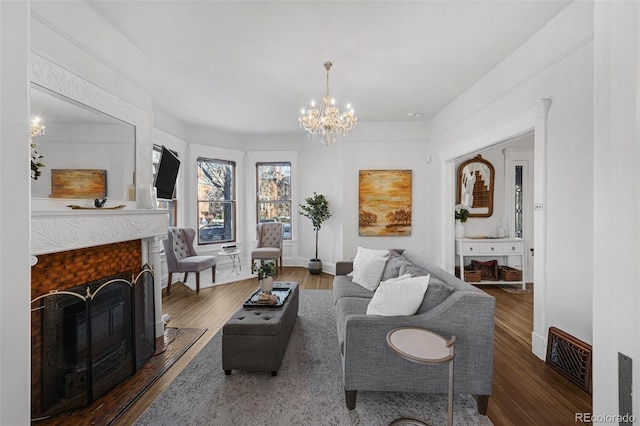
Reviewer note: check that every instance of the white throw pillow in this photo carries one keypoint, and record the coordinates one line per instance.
(398, 296)
(369, 272)
(365, 253)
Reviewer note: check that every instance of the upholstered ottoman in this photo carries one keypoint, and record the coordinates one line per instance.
(256, 338)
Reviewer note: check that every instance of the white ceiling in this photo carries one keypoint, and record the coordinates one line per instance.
(249, 67)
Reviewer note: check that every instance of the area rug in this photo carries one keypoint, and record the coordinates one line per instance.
(307, 390)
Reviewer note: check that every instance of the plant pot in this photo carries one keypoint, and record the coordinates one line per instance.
(459, 229)
(266, 284)
(315, 266)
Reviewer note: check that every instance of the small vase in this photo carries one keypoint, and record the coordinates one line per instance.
(266, 284)
(459, 229)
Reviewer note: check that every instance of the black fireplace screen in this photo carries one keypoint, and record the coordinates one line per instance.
(87, 340)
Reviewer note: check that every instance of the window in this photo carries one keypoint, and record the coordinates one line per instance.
(273, 202)
(216, 201)
(173, 204)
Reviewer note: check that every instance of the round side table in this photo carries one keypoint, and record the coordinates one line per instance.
(236, 264)
(424, 347)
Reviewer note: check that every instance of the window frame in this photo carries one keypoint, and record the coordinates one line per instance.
(258, 202)
(233, 201)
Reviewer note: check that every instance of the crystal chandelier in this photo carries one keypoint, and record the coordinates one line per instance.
(37, 128)
(327, 121)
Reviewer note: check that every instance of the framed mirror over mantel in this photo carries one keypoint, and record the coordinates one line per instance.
(95, 144)
(476, 178)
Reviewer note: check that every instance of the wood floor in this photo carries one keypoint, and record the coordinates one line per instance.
(525, 391)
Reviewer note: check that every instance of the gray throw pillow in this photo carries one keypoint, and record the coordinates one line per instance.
(392, 268)
(413, 269)
(436, 293)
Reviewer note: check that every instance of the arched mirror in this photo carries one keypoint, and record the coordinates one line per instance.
(475, 186)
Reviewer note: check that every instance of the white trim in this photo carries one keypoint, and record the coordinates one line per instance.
(533, 117)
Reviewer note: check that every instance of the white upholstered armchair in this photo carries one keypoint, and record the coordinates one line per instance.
(182, 257)
(270, 237)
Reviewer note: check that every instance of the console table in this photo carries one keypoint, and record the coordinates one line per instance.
(498, 248)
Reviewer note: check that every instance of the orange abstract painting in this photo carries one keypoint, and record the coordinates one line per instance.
(385, 202)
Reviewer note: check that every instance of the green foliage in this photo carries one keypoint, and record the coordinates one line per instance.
(316, 209)
(266, 269)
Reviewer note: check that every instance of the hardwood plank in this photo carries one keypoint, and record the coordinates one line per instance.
(525, 390)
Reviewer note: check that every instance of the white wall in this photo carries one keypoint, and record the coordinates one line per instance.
(555, 64)
(15, 343)
(616, 201)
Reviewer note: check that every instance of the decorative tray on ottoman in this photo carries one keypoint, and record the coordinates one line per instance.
(281, 292)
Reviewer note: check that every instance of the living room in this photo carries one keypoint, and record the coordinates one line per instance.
(566, 62)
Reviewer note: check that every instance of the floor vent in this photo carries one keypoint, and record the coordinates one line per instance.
(570, 357)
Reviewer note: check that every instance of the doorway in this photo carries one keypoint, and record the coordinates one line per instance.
(531, 119)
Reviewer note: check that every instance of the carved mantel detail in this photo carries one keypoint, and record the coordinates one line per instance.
(54, 231)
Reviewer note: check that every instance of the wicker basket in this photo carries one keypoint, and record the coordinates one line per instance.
(470, 275)
(506, 273)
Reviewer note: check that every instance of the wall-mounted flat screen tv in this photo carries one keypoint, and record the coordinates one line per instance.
(166, 175)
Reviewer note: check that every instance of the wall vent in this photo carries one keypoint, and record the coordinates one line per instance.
(570, 357)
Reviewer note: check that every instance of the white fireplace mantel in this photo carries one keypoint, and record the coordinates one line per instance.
(60, 230)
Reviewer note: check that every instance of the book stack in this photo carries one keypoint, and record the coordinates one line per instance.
(231, 247)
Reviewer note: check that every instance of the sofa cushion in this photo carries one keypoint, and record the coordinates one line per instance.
(344, 287)
(398, 296)
(436, 293)
(346, 306)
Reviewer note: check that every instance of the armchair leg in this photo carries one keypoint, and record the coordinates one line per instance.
(483, 404)
(197, 282)
(169, 283)
(213, 274)
(186, 274)
(350, 397)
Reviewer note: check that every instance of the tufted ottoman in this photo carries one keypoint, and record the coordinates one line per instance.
(256, 338)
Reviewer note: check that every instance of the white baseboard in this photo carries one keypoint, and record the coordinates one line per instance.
(539, 346)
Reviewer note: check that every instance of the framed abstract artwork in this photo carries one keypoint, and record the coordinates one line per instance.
(384, 202)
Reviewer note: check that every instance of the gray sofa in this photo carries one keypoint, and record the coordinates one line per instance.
(450, 307)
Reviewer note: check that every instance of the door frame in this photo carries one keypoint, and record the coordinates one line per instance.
(521, 157)
(530, 118)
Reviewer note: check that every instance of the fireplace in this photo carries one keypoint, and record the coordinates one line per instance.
(95, 315)
(88, 338)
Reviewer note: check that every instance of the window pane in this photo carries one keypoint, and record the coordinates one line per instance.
(216, 201)
(215, 180)
(274, 181)
(273, 194)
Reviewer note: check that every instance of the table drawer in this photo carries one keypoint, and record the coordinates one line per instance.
(512, 248)
(469, 248)
(491, 248)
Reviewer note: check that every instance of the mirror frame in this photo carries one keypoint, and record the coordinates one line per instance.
(476, 212)
(53, 77)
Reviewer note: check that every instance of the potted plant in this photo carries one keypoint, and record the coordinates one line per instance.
(315, 208)
(461, 215)
(265, 272)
